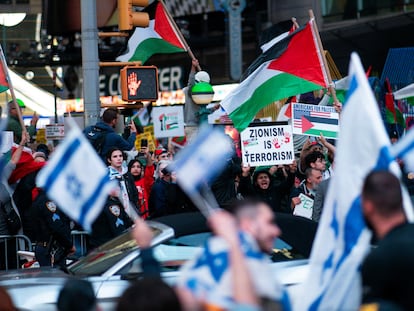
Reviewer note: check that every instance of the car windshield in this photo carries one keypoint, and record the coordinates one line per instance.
(109, 254)
(121, 254)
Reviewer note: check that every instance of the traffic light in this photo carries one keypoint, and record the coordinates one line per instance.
(139, 83)
(128, 18)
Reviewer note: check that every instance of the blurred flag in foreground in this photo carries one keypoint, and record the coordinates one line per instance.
(76, 179)
(404, 149)
(343, 240)
(203, 159)
(208, 277)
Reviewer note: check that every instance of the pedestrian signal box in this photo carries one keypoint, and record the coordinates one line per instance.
(139, 83)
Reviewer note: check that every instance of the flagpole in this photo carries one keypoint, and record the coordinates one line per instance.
(6, 71)
(204, 205)
(178, 32)
(325, 63)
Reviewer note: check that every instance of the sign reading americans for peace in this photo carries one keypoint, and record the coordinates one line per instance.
(269, 144)
(314, 120)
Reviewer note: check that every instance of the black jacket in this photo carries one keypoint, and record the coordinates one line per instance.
(388, 271)
(272, 195)
(51, 222)
(111, 222)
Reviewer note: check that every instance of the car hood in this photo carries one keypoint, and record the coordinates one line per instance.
(22, 276)
(34, 287)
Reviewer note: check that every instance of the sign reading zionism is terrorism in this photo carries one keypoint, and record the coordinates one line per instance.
(267, 145)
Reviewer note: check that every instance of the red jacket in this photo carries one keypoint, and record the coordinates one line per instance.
(144, 186)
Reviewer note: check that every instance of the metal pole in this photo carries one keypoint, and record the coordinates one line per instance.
(90, 59)
(55, 94)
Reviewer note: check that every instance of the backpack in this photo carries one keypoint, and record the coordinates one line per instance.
(96, 137)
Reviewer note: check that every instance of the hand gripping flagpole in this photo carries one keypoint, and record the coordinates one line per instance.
(6, 72)
(178, 33)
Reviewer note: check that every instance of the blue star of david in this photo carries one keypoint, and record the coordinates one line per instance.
(216, 262)
(248, 249)
(74, 185)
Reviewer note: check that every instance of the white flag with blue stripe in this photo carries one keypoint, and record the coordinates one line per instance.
(208, 277)
(343, 240)
(76, 179)
(404, 149)
(202, 160)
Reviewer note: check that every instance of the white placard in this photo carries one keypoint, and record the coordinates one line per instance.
(168, 121)
(6, 141)
(55, 131)
(314, 120)
(305, 207)
(267, 145)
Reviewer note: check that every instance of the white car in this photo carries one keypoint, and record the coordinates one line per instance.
(111, 266)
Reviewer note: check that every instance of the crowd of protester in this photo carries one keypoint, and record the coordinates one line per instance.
(148, 189)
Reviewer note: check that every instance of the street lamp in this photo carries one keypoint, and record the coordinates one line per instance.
(11, 19)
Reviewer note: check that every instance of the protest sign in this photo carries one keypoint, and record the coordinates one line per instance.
(269, 144)
(314, 120)
(168, 121)
(55, 131)
(6, 141)
(305, 207)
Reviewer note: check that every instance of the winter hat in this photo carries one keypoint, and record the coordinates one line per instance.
(202, 76)
(261, 170)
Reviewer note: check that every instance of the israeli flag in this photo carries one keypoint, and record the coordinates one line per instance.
(202, 160)
(207, 276)
(343, 240)
(76, 179)
(404, 149)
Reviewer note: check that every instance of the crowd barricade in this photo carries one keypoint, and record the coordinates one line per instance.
(80, 241)
(9, 246)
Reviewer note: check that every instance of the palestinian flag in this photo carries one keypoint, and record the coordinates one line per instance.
(159, 37)
(4, 85)
(179, 141)
(285, 113)
(393, 115)
(296, 68)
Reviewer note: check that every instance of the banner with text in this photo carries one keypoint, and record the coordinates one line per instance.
(269, 144)
(55, 131)
(313, 120)
(168, 121)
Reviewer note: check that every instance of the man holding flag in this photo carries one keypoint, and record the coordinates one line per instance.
(209, 275)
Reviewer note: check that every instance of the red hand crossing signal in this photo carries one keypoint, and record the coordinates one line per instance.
(139, 83)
